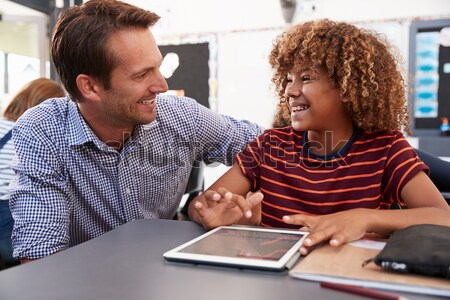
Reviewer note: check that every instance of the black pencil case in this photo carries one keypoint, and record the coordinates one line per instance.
(422, 249)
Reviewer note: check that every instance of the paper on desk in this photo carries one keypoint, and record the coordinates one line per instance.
(369, 244)
(343, 265)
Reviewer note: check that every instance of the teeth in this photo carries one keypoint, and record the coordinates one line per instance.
(146, 102)
(300, 107)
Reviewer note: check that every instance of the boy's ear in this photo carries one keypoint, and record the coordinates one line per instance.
(89, 87)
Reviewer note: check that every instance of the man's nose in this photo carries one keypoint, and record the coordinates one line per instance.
(159, 85)
(162, 83)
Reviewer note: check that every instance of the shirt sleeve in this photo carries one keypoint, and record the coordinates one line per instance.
(222, 137)
(250, 160)
(402, 165)
(38, 193)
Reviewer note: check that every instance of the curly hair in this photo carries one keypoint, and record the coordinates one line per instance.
(359, 62)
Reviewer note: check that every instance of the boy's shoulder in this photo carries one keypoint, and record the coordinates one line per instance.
(288, 130)
(281, 136)
(381, 135)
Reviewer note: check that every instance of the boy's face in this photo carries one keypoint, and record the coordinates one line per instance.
(135, 80)
(314, 103)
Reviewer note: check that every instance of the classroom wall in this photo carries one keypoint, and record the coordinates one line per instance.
(181, 16)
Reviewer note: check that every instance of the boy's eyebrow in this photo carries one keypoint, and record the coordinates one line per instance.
(303, 70)
(306, 69)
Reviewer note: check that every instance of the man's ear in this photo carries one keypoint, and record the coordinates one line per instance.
(89, 87)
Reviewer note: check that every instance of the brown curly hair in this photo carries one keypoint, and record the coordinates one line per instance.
(361, 63)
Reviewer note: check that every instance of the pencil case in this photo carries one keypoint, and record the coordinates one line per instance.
(422, 249)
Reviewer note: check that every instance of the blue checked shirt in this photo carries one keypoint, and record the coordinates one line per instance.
(71, 187)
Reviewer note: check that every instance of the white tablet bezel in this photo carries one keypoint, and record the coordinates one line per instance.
(284, 262)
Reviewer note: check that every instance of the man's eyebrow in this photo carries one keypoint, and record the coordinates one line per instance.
(146, 69)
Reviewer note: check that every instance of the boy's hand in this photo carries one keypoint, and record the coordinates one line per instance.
(225, 208)
(338, 228)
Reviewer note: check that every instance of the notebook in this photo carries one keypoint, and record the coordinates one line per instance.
(343, 265)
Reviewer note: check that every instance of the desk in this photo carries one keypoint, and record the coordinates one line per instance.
(127, 264)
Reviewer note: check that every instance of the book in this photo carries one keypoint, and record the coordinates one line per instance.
(343, 265)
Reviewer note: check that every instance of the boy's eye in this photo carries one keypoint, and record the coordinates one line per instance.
(306, 77)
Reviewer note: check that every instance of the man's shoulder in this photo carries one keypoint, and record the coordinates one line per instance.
(175, 103)
(176, 110)
(50, 115)
(51, 109)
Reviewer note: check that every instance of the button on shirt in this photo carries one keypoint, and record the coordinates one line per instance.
(71, 187)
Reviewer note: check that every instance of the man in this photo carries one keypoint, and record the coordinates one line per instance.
(113, 150)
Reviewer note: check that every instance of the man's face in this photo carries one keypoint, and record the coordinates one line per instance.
(135, 80)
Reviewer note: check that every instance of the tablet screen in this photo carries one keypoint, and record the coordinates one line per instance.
(242, 246)
(227, 242)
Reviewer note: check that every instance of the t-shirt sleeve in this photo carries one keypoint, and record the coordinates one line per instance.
(402, 165)
(250, 159)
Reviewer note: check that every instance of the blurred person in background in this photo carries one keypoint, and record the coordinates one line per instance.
(30, 95)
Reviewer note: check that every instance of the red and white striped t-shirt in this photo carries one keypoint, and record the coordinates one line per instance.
(368, 172)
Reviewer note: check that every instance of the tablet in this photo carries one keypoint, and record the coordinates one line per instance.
(242, 246)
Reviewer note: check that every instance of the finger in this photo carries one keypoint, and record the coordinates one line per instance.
(317, 236)
(211, 195)
(254, 199)
(224, 193)
(200, 209)
(297, 219)
(246, 204)
(243, 204)
(304, 228)
(225, 196)
(343, 237)
(304, 250)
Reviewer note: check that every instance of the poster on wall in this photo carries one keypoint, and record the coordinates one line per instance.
(427, 75)
(430, 84)
(186, 70)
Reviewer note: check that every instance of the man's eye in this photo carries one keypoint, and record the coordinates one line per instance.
(141, 75)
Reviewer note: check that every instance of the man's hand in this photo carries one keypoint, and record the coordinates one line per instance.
(337, 228)
(222, 207)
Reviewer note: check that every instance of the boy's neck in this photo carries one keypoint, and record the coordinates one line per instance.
(327, 142)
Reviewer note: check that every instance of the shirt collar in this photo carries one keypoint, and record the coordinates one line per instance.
(80, 133)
